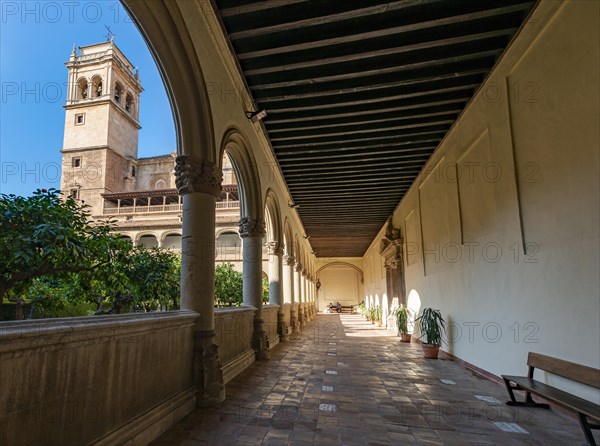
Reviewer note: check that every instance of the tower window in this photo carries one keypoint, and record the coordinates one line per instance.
(128, 102)
(76, 162)
(74, 194)
(82, 89)
(96, 86)
(133, 171)
(80, 119)
(118, 93)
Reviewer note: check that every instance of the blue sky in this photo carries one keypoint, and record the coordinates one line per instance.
(36, 38)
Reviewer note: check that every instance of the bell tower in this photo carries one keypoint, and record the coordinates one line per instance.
(100, 146)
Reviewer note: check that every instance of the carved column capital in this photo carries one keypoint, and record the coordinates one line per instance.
(252, 227)
(299, 267)
(289, 260)
(197, 175)
(304, 272)
(274, 248)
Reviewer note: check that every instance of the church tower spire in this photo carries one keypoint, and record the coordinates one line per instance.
(100, 146)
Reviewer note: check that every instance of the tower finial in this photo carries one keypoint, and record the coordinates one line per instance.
(74, 53)
(110, 37)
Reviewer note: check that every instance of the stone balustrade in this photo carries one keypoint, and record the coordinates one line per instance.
(100, 380)
(270, 324)
(234, 337)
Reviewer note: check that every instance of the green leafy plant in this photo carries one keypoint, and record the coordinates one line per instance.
(431, 326)
(265, 290)
(44, 235)
(362, 308)
(377, 314)
(402, 315)
(371, 314)
(228, 285)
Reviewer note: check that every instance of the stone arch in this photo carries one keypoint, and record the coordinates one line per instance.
(274, 227)
(118, 92)
(97, 86)
(244, 166)
(226, 231)
(288, 240)
(129, 103)
(164, 30)
(171, 240)
(147, 239)
(82, 88)
(350, 265)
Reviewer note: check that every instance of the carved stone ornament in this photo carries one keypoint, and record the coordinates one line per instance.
(289, 260)
(299, 267)
(274, 248)
(252, 227)
(196, 175)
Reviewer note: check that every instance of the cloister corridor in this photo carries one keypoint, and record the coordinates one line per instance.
(383, 393)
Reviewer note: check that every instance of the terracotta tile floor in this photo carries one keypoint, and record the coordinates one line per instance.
(345, 382)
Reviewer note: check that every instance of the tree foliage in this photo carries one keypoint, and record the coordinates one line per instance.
(52, 255)
(228, 285)
(45, 235)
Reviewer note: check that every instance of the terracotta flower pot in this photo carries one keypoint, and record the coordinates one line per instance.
(430, 351)
(405, 337)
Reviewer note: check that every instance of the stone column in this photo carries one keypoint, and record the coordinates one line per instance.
(199, 182)
(252, 231)
(310, 297)
(288, 288)
(313, 294)
(298, 294)
(305, 296)
(275, 251)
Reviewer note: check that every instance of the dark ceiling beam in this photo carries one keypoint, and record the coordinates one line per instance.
(363, 193)
(357, 127)
(361, 36)
(401, 149)
(387, 183)
(328, 19)
(360, 122)
(318, 78)
(414, 110)
(333, 94)
(381, 156)
(418, 103)
(303, 175)
(258, 7)
(362, 57)
(361, 141)
(299, 136)
(397, 97)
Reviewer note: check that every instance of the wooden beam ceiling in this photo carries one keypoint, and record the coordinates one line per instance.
(360, 93)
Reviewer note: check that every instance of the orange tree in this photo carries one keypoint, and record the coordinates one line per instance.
(44, 235)
(52, 255)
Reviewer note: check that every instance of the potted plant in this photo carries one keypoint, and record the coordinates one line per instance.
(402, 315)
(361, 308)
(431, 328)
(377, 313)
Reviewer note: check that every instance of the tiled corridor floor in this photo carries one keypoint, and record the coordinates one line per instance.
(345, 382)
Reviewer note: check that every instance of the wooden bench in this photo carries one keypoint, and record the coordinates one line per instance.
(343, 308)
(583, 374)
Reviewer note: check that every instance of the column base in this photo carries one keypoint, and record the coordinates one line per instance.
(260, 341)
(208, 373)
(294, 321)
(282, 331)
